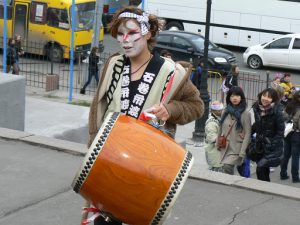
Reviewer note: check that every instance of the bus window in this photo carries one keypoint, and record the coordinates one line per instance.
(84, 16)
(57, 18)
(38, 12)
(9, 12)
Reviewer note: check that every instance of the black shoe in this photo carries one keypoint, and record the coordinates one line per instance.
(82, 91)
(297, 180)
(284, 177)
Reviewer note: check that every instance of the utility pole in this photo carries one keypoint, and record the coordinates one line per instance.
(4, 3)
(97, 23)
(199, 133)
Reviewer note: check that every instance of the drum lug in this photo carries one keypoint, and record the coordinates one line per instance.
(107, 219)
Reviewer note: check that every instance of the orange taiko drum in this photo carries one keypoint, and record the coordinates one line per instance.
(133, 172)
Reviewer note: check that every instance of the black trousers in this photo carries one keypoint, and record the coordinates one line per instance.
(100, 221)
(263, 173)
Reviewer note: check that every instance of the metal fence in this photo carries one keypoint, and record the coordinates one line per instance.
(36, 70)
(37, 64)
(251, 83)
(36, 67)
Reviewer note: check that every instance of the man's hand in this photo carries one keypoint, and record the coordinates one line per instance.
(160, 112)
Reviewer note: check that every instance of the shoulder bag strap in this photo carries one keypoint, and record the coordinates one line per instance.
(230, 129)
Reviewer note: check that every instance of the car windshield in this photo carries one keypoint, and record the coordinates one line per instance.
(84, 16)
(199, 42)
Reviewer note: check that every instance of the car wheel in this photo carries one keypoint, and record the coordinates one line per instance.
(255, 62)
(173, 25)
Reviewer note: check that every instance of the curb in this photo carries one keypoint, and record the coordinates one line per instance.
(204, 175)
(51, 143)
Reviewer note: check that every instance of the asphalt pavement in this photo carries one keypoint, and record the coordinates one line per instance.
(38, 165)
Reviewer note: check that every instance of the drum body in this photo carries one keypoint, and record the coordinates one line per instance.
(133, 171)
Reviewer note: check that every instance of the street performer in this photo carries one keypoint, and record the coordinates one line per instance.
(138, 81)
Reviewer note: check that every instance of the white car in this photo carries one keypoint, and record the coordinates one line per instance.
(282, 52)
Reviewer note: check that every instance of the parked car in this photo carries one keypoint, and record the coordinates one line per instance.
(282, 52)
(189, 47)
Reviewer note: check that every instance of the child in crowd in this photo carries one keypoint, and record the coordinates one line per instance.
(212, 127)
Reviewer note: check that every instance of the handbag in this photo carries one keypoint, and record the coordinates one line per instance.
(244, 169)
(222, 140)
(253, 151)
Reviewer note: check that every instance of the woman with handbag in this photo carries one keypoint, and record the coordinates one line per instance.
(235, 129)
(292, 141)
(269, 128)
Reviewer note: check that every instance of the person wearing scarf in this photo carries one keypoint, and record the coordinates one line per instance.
(236, 115)
(269, 128)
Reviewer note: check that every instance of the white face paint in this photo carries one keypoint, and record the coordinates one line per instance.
(131, 39)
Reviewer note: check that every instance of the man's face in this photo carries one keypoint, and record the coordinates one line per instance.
(131, 39)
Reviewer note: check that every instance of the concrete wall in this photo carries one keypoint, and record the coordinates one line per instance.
(12, 101)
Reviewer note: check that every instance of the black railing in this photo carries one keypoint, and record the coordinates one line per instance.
(36, 64)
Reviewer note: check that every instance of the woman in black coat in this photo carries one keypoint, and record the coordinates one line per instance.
(269, 128)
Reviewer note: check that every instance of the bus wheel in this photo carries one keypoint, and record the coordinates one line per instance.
(254, 62)
(173, 25)
(55, 54)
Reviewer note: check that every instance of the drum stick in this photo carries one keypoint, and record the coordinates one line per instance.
(85, 213)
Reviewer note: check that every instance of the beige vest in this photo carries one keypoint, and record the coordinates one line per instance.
(154, 94)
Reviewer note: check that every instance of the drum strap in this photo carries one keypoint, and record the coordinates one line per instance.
(163, 100)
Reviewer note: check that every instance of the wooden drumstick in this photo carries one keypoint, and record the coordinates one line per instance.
(85, 213)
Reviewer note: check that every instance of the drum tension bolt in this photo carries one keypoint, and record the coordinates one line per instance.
(107, 219)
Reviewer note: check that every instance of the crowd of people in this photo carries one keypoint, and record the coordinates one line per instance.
(267, 139)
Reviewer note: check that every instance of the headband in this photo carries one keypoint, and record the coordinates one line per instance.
(217, 107)
(142, 19)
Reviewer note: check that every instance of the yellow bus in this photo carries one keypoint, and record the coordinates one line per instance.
(45, 26)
